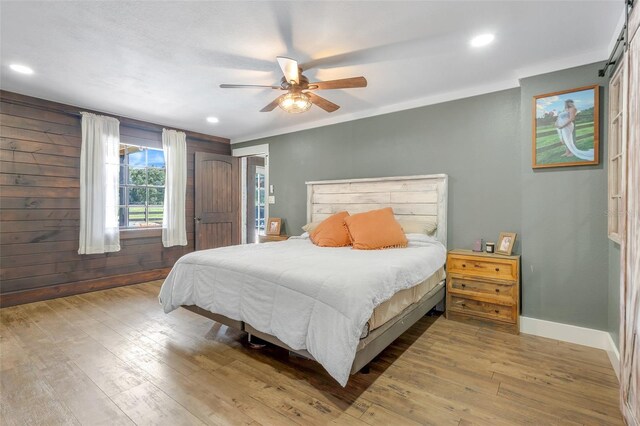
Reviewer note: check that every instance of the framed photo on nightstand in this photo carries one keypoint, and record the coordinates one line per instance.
(273, 226)
(505, 243)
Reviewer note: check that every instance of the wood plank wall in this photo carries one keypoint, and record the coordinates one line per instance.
(40, 206)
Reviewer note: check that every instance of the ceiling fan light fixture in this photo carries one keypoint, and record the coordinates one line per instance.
(299, 94)
(295, 102)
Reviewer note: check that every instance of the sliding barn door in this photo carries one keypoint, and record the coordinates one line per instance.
(217, 201)
(630, 247)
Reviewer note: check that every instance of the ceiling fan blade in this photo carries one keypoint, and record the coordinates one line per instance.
(322, 102)
(272, 105)
(249, 86)
(344, 83)
(289, 69)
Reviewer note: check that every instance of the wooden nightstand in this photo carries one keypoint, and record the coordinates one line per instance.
(484, 288)
(271, 238)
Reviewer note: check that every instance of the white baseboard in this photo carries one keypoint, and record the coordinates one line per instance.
(573, 334)
(567, 333)
(614, 356)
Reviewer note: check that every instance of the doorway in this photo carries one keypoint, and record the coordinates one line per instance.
(255, 191)
(256, 198)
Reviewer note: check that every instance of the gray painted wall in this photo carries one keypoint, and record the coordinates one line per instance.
(565, 267)
(484, 144)
(474, 141)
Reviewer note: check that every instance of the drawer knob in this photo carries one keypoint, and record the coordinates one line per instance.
(463, 305)
(463, 285)
(497, 311)
(464, 265)
(497, 269)
(497, 290)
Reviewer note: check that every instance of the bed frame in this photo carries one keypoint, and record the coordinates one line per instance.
(420, 198)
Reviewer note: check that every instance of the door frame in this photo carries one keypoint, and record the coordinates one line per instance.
(250, 151)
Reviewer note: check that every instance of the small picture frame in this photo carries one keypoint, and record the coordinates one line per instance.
(273, 226)
(505, 243)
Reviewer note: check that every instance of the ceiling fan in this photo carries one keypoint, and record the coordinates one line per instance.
(300, 96)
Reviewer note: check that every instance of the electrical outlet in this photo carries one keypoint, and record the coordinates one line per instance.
(272, 199)
(270, 189)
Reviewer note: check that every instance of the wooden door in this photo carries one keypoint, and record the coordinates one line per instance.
(217, 201)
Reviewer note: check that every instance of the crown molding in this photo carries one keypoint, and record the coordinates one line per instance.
(584, 58)
(387, 109)
(559, 64)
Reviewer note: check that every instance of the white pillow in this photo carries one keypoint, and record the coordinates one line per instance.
(420, 238)
(304, 236)
(310, 226)
(412, 226)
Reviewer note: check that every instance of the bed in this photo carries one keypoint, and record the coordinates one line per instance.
(341, 315)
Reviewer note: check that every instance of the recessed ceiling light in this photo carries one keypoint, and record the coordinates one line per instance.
(212, 119)
(482, 40)
(22, 69)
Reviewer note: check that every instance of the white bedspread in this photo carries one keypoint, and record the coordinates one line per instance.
(309, 297)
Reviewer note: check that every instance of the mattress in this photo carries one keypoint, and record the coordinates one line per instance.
(400, 301)
(311, 298)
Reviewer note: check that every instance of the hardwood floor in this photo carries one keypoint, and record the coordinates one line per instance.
(113, 357)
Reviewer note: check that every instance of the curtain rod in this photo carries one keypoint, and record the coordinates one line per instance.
(622, 38)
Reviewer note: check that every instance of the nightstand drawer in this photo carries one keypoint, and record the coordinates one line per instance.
(489, 267)
(482, 309)
(496, 290)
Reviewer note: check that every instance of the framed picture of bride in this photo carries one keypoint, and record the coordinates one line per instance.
(566, 128)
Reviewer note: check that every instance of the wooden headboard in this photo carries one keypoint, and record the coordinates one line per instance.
(423, 198)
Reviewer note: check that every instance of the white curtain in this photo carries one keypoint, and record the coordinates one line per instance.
(99, 171)
(174, 226)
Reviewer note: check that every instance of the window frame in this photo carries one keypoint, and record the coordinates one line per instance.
(260, 198)
(617, 150)
(124, 204)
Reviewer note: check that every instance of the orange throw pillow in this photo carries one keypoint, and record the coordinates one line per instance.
(331, 232)
(376, 229)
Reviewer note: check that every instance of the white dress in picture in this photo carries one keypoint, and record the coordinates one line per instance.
(566, 136)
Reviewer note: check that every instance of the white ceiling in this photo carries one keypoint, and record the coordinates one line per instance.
(163, 61)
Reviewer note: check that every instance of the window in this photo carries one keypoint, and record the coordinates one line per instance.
(617, 149)
(142, 177)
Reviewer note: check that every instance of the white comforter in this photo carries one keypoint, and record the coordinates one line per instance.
(309, 297)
